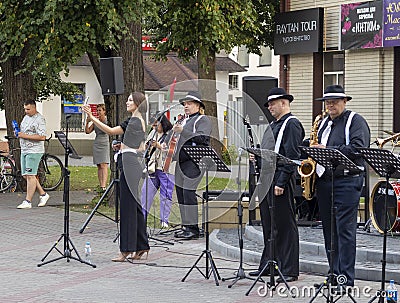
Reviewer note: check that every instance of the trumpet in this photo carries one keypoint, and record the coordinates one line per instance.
(394, 139)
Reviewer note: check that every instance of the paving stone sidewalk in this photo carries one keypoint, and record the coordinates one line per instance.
(27, 235)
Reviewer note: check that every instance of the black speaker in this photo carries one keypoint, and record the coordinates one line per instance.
(111, 76)
(256, 88)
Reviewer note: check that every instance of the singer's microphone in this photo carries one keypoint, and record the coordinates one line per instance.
(67, 117)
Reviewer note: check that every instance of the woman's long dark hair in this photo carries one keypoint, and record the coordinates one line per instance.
(165, 124)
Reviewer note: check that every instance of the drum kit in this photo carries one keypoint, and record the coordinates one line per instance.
(376, 206)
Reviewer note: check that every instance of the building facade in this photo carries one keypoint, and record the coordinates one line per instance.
(369, 73)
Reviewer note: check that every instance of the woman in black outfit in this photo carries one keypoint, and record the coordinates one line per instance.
(133, 237)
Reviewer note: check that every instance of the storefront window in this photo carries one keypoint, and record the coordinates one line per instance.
(333, 68)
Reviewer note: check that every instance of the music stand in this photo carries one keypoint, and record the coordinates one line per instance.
(67, 252)
(269, 160)
(387, 165)
(332, 160)
(206, 159)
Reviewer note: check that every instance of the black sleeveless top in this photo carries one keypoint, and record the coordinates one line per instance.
(134, 134)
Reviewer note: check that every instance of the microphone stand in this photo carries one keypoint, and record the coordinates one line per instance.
(240, 274)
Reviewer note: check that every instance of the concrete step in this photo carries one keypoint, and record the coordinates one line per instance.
(312, 254)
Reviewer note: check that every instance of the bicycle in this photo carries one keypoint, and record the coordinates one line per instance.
(50, 170)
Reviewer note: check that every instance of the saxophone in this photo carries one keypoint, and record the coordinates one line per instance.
(307, 167)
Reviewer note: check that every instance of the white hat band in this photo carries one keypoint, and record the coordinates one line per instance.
(274, 97)
(334, 95)
(192, 97)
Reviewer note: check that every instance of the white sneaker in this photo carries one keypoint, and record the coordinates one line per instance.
(24, 204)
(164, 225)
(43, 200)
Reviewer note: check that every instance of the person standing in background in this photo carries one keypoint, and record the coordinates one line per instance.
(31, 139)
(157, 178)
(101, 152)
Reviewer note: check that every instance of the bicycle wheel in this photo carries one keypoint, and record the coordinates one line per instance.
(8, 177)
(50, 172)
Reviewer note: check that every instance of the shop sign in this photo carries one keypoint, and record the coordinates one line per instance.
(391, 23)
(299, 32)
(361, 25)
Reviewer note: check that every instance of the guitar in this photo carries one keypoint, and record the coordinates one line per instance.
(172, 146)
(251, 140)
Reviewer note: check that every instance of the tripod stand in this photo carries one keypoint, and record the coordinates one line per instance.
(270, 160)
(240, 274)
(385, 164)
(113, 183)
(332, 160)
(67, 251)
(206, 159)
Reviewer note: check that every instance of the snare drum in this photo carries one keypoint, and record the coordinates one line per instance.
(377, 206)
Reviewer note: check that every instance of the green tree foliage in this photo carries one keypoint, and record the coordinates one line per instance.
(39, 39)
(204, 28)
(214, 25)
(54, 33)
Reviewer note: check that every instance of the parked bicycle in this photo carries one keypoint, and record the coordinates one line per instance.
(50, 170)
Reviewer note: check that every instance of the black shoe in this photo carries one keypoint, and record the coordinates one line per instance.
(287, 278)
(188, 235)
(180, 231)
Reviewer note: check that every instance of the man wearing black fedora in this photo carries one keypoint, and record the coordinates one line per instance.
(343, 130)
(194, 130)
(284, 137)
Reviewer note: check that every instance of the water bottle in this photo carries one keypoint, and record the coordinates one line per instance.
(88, 252)
(15, 127)
(391, 293)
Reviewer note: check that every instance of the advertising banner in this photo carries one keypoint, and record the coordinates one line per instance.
(299, 32)
(75, 106)
(361, 25)
(391, 23)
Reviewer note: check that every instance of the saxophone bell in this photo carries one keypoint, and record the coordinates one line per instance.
(307, 168)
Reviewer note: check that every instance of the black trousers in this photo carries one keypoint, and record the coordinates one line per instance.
(347, 192)
(133, 234)
(187, 178)
(285, 231)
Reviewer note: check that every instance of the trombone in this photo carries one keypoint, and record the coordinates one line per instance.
(395, 139)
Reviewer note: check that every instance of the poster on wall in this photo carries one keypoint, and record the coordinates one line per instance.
(391, 23)
(299, 32)
(75, 106)
(361, 25)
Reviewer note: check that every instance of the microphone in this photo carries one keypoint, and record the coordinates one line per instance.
(67, 117)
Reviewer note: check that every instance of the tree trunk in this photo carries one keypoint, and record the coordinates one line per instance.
(17, 88)
(208, 90)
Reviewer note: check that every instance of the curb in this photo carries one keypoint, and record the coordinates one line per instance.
(307, 266)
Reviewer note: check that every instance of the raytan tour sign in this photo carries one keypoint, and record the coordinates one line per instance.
(299, 32)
